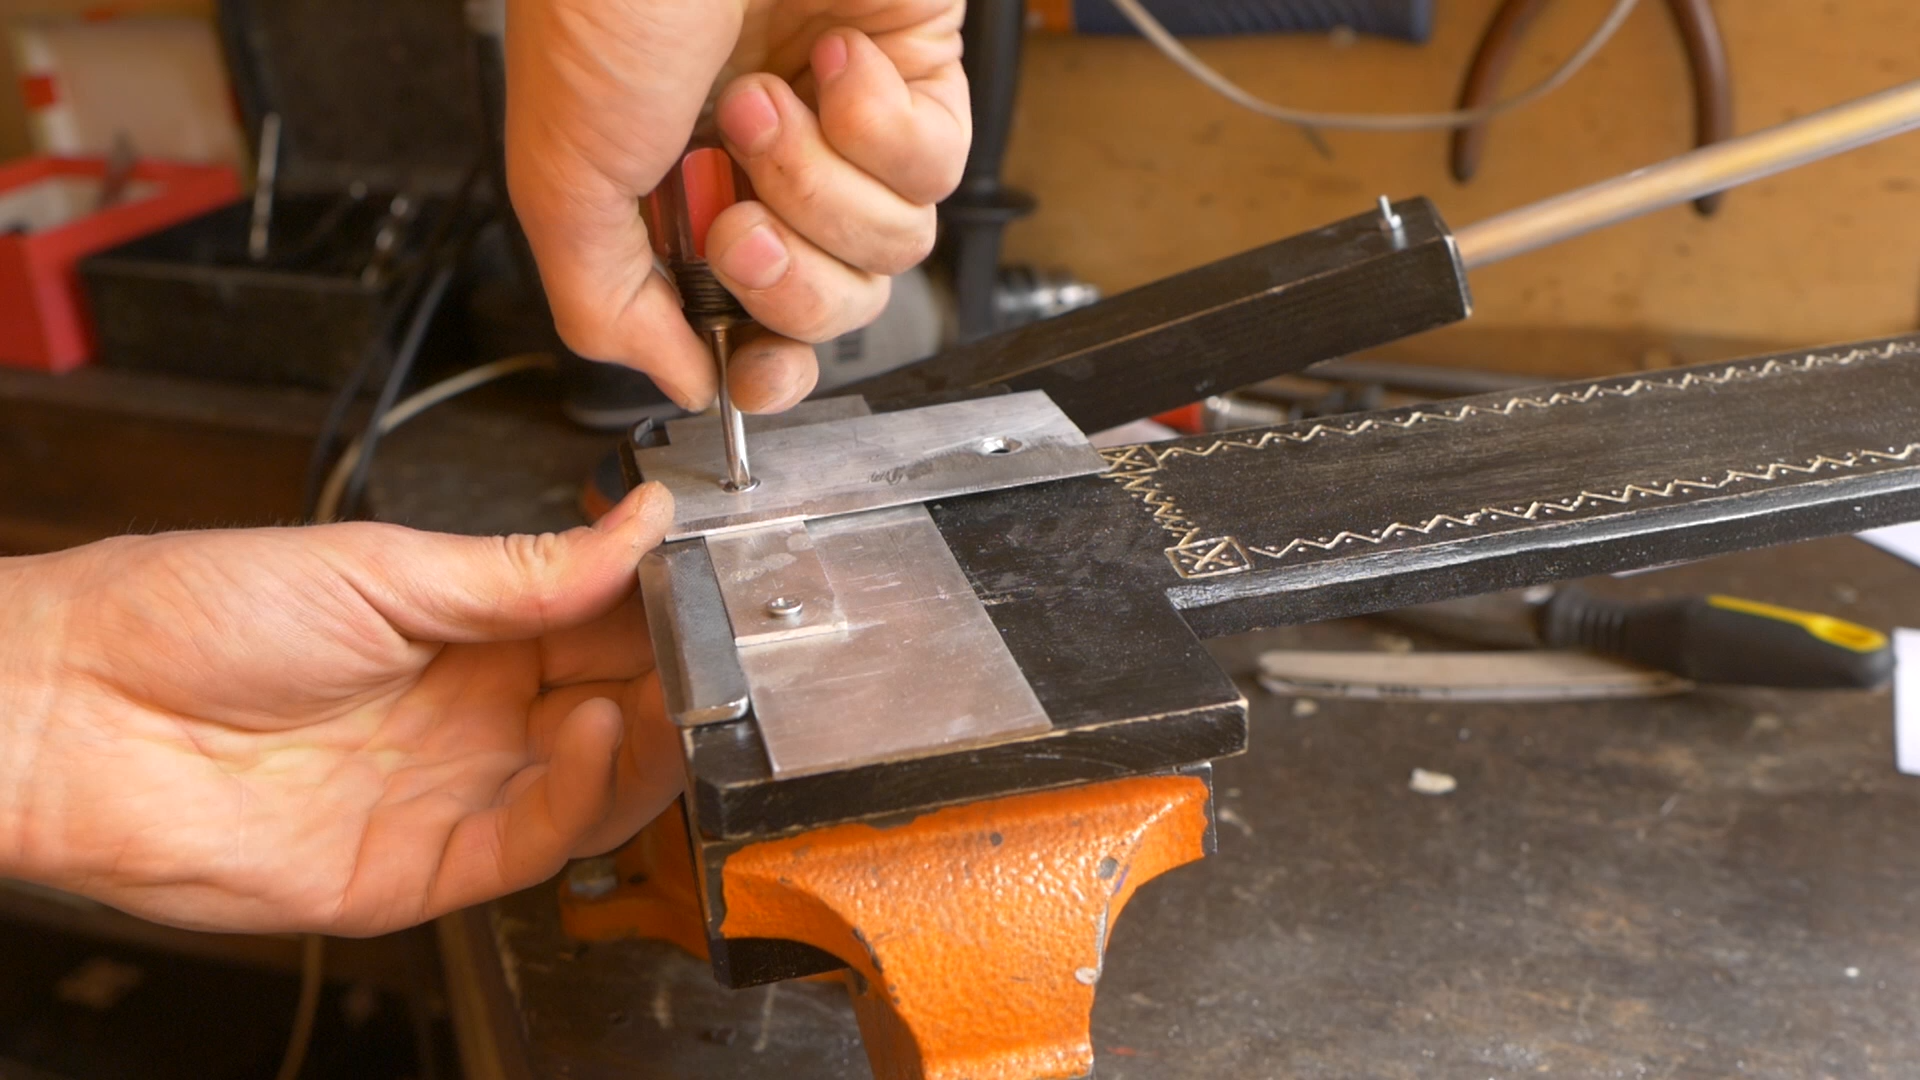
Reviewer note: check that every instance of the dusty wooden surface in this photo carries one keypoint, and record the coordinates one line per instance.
(1721, 884)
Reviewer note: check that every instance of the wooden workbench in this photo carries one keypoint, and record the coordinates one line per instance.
(1721, 884)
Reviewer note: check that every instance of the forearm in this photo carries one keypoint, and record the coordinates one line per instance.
(31, 630)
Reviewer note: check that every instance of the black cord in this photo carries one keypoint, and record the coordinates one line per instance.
(397, 375)
(328, 442)
(322, 230)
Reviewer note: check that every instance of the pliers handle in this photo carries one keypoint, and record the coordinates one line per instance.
(1706, 55)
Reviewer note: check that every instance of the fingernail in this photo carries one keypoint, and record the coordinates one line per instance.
(757, 260)
(829, 57)
(749, 120)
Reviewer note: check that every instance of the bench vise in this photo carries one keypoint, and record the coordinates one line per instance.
(940, 680)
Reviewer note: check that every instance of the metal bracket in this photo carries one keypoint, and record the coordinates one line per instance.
(774, 584)
(918, 665)
(873, 462)
(827, 596)
(700, 675)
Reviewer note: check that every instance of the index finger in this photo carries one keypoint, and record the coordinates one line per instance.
(899, 112)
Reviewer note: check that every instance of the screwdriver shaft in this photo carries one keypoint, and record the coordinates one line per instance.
(733, 428)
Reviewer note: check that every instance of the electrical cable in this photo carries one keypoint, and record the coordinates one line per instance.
(378, 344)
(397, 375)
(312, 980)
(320, 232)
(378, 347)
(1153, 31)
(439, 393)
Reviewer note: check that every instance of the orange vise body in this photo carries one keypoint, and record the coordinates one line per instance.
(972, 937)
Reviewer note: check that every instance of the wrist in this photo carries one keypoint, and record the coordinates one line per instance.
(31, 632)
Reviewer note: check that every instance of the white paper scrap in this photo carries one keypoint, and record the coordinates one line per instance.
(1900, 540)
(1906, 700)
(1432, 783)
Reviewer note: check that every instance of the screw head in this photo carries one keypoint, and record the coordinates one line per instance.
(786, 607)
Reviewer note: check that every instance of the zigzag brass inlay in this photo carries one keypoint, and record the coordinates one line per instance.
(1592, 499)
(1740, 372)
(1195, 553)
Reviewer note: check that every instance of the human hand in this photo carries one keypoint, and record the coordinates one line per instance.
(348, 728)
(850, 116)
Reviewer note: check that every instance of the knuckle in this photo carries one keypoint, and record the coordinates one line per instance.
(818, 325)
(873, 301)
(813, 317)
(948, 172)
(796, 177)
(865, 127)
(911, 247)
(586, 331)
(850, 309)
(895, 249)
(532, 561)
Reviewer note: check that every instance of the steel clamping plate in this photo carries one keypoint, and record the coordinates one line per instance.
(915, 667)
(860, 463)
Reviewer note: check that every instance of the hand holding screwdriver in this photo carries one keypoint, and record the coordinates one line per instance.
(680, 213)
(851, 119)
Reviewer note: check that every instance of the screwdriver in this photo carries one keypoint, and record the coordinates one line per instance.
(679, 213)
(1722, 639)
(1703, 638)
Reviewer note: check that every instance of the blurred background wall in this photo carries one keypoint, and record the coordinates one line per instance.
(14, 140)
(1141, 172)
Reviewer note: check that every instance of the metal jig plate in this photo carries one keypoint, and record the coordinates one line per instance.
(827, 598)
(700, 675)
(774, 584)
(861, 463)
(918, 667)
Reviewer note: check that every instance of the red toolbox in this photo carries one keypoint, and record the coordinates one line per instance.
(50, 220)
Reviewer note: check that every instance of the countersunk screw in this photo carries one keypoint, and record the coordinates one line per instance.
(786, 607)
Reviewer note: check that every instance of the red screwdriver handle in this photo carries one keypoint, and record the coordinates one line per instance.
(680, 213)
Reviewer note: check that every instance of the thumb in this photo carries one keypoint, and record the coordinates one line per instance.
(436, 587)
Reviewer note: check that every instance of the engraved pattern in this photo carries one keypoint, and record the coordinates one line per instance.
(1134, 468)
(1212, 557)
(1738, 372)
(1587, 499)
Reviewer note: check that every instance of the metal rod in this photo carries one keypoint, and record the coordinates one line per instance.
(1702, 172)
(266, 177)
(733, 427)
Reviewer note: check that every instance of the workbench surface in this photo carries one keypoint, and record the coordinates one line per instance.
(1722, 884)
